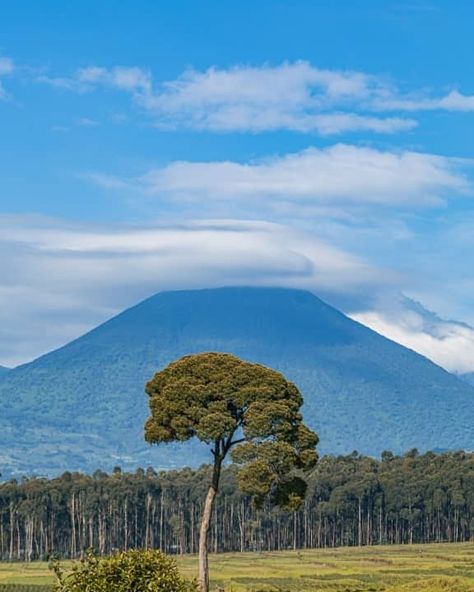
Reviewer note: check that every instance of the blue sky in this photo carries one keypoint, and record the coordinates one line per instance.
(158, 145)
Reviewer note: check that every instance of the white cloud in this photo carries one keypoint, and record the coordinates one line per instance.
(453, 101)
(291, 84)
(292, 96)
(456, 101)
(294, 91)
(60, 278)
(7, 67)
(339, 174)
(338, 123)
(87, 122)
(131, 79)
(449, 344)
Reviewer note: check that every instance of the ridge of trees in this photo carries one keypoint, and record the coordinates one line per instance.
(351, 500)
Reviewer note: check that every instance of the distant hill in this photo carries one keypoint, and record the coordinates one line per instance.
(3, 370)
(83, 406)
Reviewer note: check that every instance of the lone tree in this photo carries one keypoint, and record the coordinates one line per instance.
(235, 405)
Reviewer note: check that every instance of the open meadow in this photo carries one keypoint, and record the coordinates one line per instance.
(417, 568)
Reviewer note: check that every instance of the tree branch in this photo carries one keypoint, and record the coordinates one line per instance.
(239, 441)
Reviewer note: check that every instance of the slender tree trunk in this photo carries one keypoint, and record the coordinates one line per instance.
(359, 523)
(203, 579)
(162, 519)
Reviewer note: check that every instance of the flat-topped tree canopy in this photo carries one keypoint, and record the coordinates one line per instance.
(236, 406)
(222, 399)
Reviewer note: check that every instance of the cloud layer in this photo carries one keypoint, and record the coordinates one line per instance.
(60, 278)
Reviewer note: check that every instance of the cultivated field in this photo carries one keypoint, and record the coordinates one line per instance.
(417, 568)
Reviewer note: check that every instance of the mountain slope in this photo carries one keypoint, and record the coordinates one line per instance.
(83, 406)
(3, 370)
(469, 377)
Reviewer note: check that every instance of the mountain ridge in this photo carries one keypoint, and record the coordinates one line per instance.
(83, 406)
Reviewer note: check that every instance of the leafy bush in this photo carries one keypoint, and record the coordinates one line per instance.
(128, 571)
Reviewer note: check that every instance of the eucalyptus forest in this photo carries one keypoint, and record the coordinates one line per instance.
(351, 500)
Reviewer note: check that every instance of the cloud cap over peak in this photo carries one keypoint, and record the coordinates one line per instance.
(83, 274)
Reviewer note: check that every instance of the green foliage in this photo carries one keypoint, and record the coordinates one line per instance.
(289, 493)
(226, 401)
(128, 571)
(211, 395)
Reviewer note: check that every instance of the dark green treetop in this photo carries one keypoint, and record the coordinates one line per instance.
(232, 404)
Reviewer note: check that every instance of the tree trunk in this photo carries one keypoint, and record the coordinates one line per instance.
(359, 523)
(203, 579)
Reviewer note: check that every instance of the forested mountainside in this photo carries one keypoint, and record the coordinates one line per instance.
(83, 406)
(351, 500)
(469, 377)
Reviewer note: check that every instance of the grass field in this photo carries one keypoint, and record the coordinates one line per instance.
(416, 568)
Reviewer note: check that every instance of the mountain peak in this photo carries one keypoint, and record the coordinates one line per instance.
(361, 390)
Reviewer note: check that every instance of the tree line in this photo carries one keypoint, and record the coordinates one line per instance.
(351, 500)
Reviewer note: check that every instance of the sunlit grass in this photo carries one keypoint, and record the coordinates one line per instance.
(416, 568)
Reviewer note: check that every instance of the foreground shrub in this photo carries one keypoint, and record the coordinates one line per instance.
(128, 571)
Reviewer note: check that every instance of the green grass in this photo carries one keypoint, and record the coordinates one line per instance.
(24, 588)
(416, 568)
